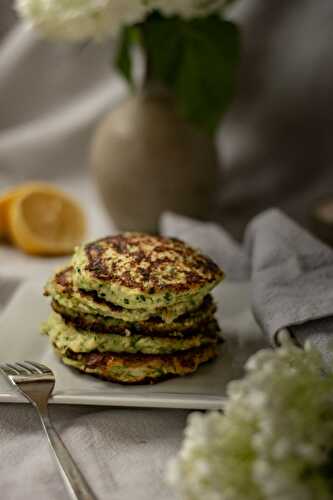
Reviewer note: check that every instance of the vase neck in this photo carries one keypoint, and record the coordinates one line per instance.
(151, 85)
(154, 87)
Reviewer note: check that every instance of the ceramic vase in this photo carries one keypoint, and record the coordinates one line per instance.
(146, 159)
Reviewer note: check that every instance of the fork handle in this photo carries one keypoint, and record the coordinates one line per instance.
(77, 486)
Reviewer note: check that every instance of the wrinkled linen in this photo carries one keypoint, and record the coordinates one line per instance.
(290, 271)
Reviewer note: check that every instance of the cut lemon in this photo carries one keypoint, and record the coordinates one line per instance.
(8, 197)
(42, 220)
(5, 202)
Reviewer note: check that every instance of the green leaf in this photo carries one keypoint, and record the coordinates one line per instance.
(197, 60)
(123, 59)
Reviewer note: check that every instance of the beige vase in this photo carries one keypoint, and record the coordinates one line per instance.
(146, 160)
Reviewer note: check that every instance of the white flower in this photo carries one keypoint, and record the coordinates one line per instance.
(274, 440)
(81, 19)
(74, 20)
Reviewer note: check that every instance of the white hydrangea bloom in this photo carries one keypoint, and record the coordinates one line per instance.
(74, 20)
(274, 440)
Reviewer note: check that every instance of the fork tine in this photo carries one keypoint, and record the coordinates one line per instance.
(15, 370)
(7, 369)
(26, 368)
(39, 367)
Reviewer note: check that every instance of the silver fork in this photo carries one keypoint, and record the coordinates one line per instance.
(36, 382)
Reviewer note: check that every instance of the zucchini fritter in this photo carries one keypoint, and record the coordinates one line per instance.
(140, 369)
(137, 270)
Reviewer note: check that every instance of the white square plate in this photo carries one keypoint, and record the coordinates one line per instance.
(20, 340)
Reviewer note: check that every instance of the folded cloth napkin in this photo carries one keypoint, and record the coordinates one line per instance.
(291, 273)
(292, 280)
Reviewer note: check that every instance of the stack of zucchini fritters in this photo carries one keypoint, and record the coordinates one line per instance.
(134, 308)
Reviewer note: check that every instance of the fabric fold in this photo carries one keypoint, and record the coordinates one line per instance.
(292, 274)
(290, 271)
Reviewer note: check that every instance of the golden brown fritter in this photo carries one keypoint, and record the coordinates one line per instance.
(77, 301)
(140, 368)
(138, 270)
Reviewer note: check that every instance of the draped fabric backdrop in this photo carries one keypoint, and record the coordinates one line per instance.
(275, 142)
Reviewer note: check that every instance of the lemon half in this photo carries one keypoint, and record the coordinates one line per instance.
(42, 220)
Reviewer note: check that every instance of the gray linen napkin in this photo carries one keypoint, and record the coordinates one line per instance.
(292, 279)
(291, 272)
